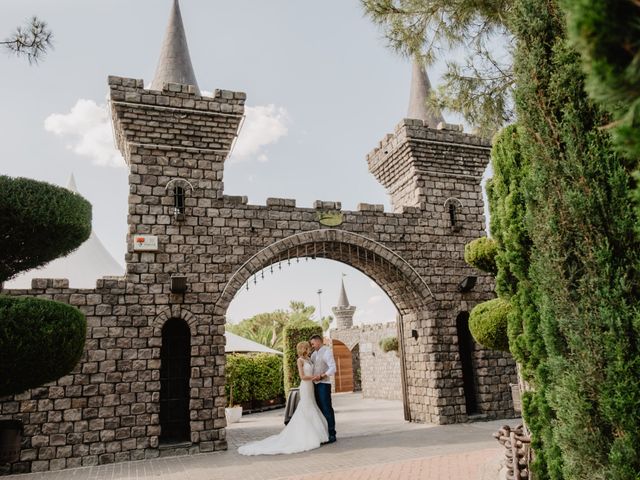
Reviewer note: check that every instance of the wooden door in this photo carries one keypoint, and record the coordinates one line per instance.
(344, 364)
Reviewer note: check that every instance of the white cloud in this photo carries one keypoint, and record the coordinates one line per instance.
(375, 299)
(263, 125)
(87, 129)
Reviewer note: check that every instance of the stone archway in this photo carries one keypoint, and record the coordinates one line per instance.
(406, 289)
(399, 280)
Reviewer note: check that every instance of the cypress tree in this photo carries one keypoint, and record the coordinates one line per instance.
(584, 412)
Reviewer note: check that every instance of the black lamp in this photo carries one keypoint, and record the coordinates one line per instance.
(178, 284)
(467, 284)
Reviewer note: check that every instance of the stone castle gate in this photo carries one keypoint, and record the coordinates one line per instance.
(191, 248)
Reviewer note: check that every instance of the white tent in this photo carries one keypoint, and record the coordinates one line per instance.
(82, 267)
(238, 344)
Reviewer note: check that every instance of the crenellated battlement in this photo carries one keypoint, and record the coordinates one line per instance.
(422, 167)
(175, 120)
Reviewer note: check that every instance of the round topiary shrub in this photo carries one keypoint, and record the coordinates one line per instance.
(488, 324)
(389, 344)
(481, 253)
(39, 222)
(40, 341)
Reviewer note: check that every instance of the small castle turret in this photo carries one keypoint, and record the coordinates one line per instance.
(343, 311)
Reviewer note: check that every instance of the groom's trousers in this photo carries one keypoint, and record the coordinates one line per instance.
(323, 399)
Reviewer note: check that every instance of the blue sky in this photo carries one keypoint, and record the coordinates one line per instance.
(322, 89)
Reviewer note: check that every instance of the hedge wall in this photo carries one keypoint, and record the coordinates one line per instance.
(40, 341)
(38, 223)
(583, 352)
(292, 335)
(255, 378)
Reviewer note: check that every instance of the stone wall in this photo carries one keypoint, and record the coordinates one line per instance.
(380, 375)
(108, 408)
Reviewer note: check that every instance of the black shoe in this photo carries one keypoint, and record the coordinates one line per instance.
(332, 440)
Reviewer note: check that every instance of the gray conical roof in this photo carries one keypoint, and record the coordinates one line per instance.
(175, 62)
(420, 88)
(343, 301)
(71, 184)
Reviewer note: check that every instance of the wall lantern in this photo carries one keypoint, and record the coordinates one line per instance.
(178, 284)
(467, 284)
(414, 334)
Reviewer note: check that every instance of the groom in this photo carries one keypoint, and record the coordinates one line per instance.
(324, 366)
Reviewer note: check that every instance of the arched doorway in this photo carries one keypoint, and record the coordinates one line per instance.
(344, 367)
(175, 368)
(466, 346)
(399, 280)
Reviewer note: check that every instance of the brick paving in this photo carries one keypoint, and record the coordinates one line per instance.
(374, 443)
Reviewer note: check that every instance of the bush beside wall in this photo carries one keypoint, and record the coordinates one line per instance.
(40, 341)
(255, 378)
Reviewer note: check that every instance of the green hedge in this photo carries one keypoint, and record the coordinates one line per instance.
(293, 334)
(389, 344)
(255, 378)
(40, 341)
(488, 324)
(481, 253)
(38, 223)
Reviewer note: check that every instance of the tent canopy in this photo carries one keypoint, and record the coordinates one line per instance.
(238, 344)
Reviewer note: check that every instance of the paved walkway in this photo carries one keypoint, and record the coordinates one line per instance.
(373, 443)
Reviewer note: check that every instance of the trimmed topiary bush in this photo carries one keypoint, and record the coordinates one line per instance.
(38, 223)
(255, 378)
(294, 333)
(389, 344)
(40, 341)
(481, 253)
(488, 324)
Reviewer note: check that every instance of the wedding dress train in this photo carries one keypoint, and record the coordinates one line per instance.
(306, 430)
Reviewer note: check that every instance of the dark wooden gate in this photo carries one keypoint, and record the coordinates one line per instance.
(466, 346)
(175, 371)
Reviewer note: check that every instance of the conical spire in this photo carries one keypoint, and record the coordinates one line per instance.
(343, 301)
(175, 63)
(420, 88)
(71, 184)
(343, 311)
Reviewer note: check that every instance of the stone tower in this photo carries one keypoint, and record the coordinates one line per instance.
(343, 311)
(428, 163)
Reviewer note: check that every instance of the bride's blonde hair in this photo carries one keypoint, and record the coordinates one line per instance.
(303, 349)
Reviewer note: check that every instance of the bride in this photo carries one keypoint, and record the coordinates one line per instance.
(307, 428)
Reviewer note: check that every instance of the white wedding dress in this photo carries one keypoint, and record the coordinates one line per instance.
(306, 430)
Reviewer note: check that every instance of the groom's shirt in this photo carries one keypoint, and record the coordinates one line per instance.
(323, 362)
